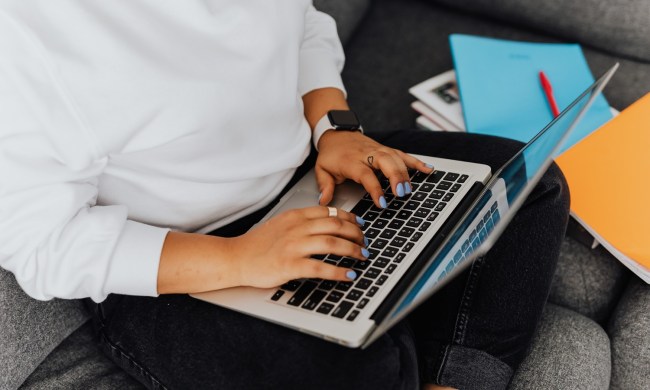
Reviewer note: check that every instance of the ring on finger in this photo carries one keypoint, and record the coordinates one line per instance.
(332, 212)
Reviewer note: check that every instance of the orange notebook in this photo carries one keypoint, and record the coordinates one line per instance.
(609, 176)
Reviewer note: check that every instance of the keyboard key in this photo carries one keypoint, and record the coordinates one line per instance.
(494, 206)
(462, 178)
(343, 286)
(380, 243)
(373, 290)
(418, 177)
(435, 176)
(363, 283)
(406, 232)
(314, 299)
(404, 214)
(426, 187)
(361, 207)
(327, 284)
(372, 273)
(278, 294)
(451, 176)
(411, 205)
(408, 246)
(354, 295)
(437, 194)
(388, 234)
(479, 225)
(455, 188)
(443, 185)
(465, 246)
(396, 224)
(472, 235)
(333, 262)
(371, 233)
(447, 197)
(486, 217)
(414, 222)
(334, 296)
(381, 280)
(416, 237)
(361, 264)
(302, 293)
(370, 216)
(380, 223)
(373, 253)
(440, 206)
(291, 285)
(398, 241)
(391, 268)
(325, 308)
(422, 213)
(388, 214)
(424, 227)
(362, 303)
(353, 315)
(342, 309)
(429, 203)
(489, 225)
(381, 262)
(389, 252)
(395, 205)
(496, 217)
(458, 256)
(432, 216)
(347, 262)
(482, 235)
(334, 257)
(400, 257)
(419, 196)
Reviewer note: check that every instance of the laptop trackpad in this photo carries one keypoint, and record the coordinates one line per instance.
(303, 198)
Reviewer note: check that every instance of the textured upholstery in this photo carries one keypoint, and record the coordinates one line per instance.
(347, 14)
(30, 329)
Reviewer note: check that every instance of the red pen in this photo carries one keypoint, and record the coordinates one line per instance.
(548, 92)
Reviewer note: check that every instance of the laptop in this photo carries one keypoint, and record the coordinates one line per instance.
(417, 244)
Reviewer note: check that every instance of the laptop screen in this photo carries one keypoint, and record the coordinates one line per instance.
(496, 205)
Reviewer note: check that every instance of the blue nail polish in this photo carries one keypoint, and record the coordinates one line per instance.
(365, 241)
(365, 253)
(400, 189)
(382, 202)
(429, 166)
(407, 188)
(360, 221)
(351, 275)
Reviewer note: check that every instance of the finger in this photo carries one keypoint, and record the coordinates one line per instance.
(308, 268)
(403, 172)
(318, 212)
(331, 244)
(395, 172)
(326, 184)
(415, 163)
(367, 178)
(336, 227)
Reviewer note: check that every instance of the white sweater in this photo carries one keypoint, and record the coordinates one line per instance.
(120, 120)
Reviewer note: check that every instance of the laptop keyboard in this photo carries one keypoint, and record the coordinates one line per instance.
(392, 233)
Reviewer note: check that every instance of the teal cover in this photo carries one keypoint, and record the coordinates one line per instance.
(501, 92)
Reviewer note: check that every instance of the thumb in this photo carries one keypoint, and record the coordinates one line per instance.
(326, 185)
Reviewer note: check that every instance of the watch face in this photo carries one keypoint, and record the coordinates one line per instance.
(344, 120)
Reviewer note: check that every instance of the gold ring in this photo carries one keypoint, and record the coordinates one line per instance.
(333, 212)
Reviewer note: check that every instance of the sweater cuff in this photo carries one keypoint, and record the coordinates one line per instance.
(319, 70)
(135, 260)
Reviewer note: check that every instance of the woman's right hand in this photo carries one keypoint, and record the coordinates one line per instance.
(279, 250)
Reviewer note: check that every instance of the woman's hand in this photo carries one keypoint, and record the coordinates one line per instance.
(351, 155)
(279, 250)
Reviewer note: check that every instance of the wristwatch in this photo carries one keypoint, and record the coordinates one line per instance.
(339, 120)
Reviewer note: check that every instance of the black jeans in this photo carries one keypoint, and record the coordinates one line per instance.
(472, 334)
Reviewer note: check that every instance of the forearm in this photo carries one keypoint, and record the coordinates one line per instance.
(319, 101)
(191, 263)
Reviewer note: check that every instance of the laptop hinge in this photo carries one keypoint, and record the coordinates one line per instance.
(396, 293)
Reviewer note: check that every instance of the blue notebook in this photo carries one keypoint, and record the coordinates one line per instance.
(500, 89)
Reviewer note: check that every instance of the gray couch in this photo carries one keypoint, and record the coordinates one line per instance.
(595, 332)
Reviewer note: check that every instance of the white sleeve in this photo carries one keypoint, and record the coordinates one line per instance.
(321, 54)
(53, 237)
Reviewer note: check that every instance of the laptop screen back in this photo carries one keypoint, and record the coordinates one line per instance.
(503, 195)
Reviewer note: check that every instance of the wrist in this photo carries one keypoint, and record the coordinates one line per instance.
(335, 121)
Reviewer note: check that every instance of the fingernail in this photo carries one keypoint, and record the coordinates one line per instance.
(360, 221)
(351, 275)
(429, 166)
(400, 189)
(382, 202)
(365, 241)
(320, 196)
(365, 253)
(407, 188)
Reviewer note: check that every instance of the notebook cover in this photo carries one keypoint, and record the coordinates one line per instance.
(501, 91)
(609, 177)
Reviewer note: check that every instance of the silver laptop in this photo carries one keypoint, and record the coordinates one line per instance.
(417, 244)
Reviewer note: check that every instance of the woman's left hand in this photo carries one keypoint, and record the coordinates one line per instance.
(352, 155)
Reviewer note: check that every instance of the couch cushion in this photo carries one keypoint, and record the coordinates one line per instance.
(630, 333)
(30, 329)
(347, 13)
(569, 351)
(619, 27)
(403, 42)
(77, 363)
